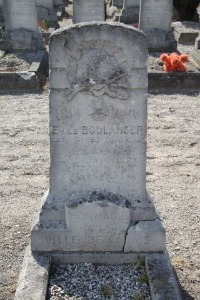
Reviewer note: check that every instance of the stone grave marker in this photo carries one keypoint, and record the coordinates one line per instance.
(155, 21)
(130, 12)
(118, 3)
(197, 42)
(88, 10)
(21, 26)
(45, 10)
(97, 200)
(57, 3)
(1, 12)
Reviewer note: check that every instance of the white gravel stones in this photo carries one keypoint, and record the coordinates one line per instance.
(86, 281)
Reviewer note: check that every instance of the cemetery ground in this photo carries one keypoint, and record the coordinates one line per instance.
(173, 162)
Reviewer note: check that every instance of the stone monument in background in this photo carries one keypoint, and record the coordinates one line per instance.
(118, 3)
(21, 26)
(45, 10)
(97, 202)
(130, 12)
(1, 12)
(155, 21)
(88, 10)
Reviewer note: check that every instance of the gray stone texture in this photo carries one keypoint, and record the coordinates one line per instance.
(98, 121)
(57, 3)
(33, 279)
(118, 3)
(1, 11)
(162, 279)
(155, 21)
(185, 37)
(145, 236)
(21, 27)
(88, 10)
(197, 42)
(45, 10)
(97, 226)
(130, 12)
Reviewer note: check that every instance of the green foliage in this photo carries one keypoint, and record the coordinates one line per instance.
(106, 291)
(138, 261)
(44, 24)
(144, 278)
(139, 296)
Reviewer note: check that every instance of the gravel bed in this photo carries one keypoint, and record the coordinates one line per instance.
(187, 26)
(85, 281)
(16, 61)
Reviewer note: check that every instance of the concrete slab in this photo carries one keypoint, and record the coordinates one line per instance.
(33, 279)
(29, 81)
(162, 281)
(195, 56)
(174, 81)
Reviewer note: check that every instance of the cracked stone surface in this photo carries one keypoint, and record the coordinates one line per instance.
(97, 226)
(146, 236)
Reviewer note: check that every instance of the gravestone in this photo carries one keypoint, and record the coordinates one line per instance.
(21, 27)
(45, 10)
(1, 12)
(118, 3)
(88, 10)
(155, 21)
(130, 12)
(57, 3)
(97, 199)
(197, 42)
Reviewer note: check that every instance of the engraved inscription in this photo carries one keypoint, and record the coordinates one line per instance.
(92, 216)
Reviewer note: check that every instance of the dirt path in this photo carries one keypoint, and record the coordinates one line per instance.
(173, 172)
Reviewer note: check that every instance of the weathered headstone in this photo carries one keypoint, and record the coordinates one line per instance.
(197, 42)
(130, 12)
(88, 10)
(21, 27)
(57, 3)
(1, 12)
(118, 3)
(45, 10)
(97, 201)
(155, 21)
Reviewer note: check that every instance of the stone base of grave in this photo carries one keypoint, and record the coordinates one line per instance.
(26, 81)
(164, 41)
(197, 42)
(98, 226)
(33, 279)
(22, 39)
(195, 56)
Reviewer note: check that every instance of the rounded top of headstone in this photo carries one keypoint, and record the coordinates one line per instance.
(99, 24)
(123, 44)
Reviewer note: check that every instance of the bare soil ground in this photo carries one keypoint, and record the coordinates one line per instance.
(173, 179)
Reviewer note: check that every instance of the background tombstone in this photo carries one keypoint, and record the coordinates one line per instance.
(118, 3)
(57, 3)
(130, 12)
(21, 26)
(97, 201)
(88, 10)
(45, 10)
(155, 21)
(1, 12)
(197, 42)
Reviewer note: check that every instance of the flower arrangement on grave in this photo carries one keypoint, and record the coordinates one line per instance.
(44, 25)
(174, 62)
